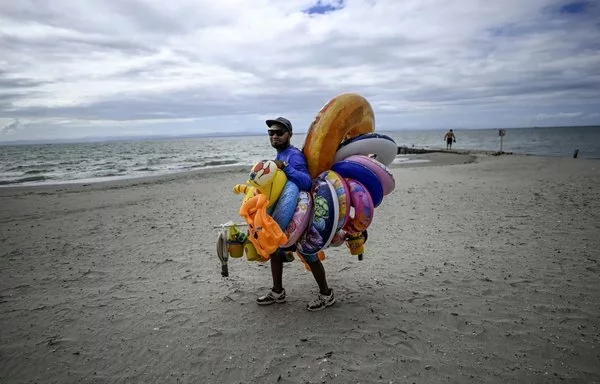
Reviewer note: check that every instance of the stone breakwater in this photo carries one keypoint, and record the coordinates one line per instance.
(405, 150)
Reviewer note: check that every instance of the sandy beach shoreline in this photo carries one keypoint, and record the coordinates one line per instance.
(477, 269)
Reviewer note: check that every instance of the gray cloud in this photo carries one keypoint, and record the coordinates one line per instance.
(16, 83)
(11, 127)
(144, 60)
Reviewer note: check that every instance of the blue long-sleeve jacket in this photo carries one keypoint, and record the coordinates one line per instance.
(297, 169)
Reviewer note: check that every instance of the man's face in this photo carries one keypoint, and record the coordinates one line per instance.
(279, 136)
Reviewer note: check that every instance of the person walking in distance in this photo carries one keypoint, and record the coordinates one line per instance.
(450, 138)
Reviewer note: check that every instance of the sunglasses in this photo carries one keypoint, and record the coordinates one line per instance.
(278, 132)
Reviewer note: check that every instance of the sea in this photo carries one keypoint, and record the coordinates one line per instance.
(89, 162)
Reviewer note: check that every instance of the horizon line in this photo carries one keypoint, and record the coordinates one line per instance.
(91, 139)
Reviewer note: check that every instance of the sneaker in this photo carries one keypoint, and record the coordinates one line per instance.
(321, 302)
(272, 297)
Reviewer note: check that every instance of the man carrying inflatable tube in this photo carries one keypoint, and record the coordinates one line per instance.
(292, 161)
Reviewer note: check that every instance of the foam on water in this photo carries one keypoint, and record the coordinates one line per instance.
(407, 160)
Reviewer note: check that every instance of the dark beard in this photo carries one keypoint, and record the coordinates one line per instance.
(280, 147)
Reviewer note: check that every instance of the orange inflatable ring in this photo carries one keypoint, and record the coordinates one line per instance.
(345, 116)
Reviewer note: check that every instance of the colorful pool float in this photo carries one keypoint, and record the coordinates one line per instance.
(345, 116)
(382, 147)
(324, 218)
(361, 173)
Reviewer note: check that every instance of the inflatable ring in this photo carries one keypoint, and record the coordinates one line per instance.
(382, 146)
(361, 173)
(300, 219)
(343, 195)
(286, 204)
(323, 223)
(338, 239)
(383, 173)
(363, 208)
(346, 115)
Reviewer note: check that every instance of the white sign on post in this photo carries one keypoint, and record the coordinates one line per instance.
(501, 133)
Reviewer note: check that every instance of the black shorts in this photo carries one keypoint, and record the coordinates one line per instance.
(449, 141)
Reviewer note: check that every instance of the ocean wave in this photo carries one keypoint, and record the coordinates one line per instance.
(145, 169)
(108, 174)
(107, 166)
(37, 171)
(24, 180)
(106, 163)
(216, 163)
(154, 161)
(193, 160)
(36, 167)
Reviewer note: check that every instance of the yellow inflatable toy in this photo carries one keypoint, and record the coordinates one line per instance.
(345, 116)
(252, 254)
(265, 178)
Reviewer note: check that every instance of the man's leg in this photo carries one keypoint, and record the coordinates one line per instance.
(325, 297)
(277, 293)
(277, 271)
(318, 272)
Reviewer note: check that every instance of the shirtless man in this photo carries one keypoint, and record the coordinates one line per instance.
(450, 138)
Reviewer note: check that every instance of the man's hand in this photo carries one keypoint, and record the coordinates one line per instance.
(280, 164)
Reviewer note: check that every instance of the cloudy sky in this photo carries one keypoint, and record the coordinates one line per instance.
(85, 68)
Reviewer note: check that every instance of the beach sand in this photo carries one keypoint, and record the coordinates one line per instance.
(479, 272)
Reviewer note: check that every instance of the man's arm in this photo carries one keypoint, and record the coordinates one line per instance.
(297, 171)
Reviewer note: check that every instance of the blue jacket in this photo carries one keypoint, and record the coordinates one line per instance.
(297, 169)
